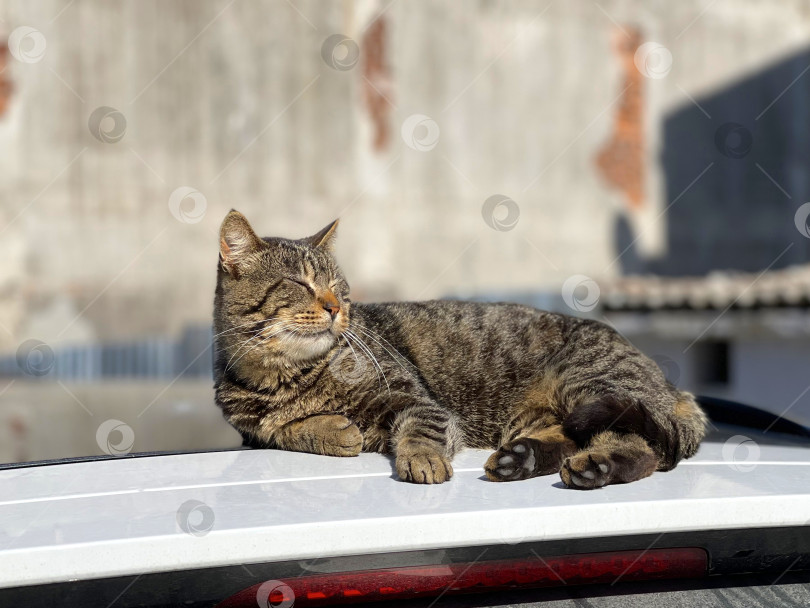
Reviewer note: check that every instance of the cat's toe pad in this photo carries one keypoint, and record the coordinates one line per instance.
(587, 471)
(529, 457)
(513, 461)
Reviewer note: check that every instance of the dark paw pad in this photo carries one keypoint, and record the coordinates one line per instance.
(525, 457)
(514, 460)
(587, 471)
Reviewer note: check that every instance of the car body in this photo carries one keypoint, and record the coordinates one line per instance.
(199, 529)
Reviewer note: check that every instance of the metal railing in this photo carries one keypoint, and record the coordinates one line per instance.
(189, 355)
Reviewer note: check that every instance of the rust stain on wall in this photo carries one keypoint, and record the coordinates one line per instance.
(19, 437)
(621, 160)
(377, 84)
(5, 82)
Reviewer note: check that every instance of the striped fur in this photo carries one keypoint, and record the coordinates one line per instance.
(298, 366)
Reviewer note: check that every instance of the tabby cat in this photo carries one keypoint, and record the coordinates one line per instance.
(301, 367)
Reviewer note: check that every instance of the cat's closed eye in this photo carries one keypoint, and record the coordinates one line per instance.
(302, 283)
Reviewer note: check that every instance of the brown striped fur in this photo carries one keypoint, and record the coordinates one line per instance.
(298, 366)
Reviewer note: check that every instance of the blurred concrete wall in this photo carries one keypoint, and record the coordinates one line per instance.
(41, 421)
(237, 101)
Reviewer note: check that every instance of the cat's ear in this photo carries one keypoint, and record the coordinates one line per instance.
(236, 242)
(324, 238)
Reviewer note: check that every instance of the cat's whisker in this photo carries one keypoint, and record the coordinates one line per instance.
(370, 334)
(371, 354)
(251, 332)
(236, 352)
(256, 334)
(356, 360)
(280, 326)
(349, 336)
(368, 355)
(370, 358)
(252, 348)
(241, 346)
(231, 329)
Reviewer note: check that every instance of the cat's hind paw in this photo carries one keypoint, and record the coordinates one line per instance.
(587, 470)
(526, 457)
(513, 461)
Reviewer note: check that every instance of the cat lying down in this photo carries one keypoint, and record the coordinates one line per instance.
(301, 367)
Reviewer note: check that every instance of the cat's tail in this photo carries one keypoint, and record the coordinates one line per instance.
(673, 432)
(690, 422)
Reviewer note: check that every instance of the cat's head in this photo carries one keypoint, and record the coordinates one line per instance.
(278, 300)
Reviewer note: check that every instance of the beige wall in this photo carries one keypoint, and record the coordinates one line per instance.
(235, 101)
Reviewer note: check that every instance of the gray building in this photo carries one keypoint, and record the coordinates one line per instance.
(739, 336)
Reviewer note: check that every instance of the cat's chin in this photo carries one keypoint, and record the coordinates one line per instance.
(306, 348)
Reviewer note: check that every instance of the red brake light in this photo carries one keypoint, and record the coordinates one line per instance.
(425, 581)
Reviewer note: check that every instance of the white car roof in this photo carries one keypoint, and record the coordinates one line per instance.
(175, 512)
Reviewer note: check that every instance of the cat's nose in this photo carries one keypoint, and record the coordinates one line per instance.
(332, 309)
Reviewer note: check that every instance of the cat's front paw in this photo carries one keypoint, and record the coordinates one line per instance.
(339, 436)
(587, 471)
(423, 466)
